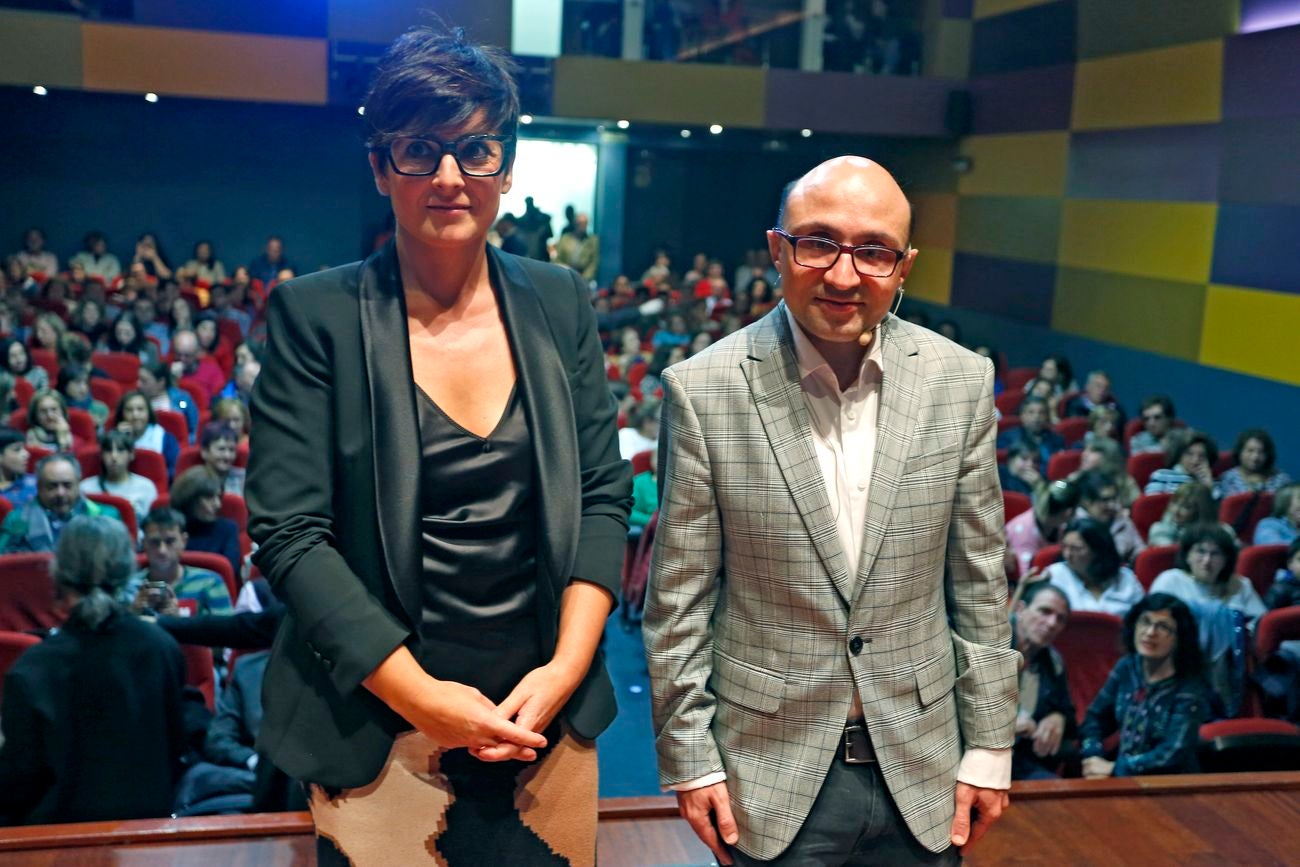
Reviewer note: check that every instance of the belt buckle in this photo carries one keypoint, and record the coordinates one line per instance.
(850, 758)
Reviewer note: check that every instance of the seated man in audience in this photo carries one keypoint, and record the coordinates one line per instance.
(1020, 474)
(1157, 421)
(1033, 431)
(218, 444)
(1096, 392)
(1099, 499)
(189, 361)
(38, 524)
(116, 451)
(16, 484)
(166, 585)
(1045, 725)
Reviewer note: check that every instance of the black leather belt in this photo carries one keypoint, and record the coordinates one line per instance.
(856, 747)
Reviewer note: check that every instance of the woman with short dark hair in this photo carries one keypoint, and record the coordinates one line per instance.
(1092, 575)
(92, 716)
(1155, 696)
(1254, 458)
(1191, 455)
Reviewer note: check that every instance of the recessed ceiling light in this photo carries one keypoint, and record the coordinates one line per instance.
(361, 110)
(623, 124)
(716, 128)
(806, 133)
(525, 118)
(39, 90)
(686, 133)
(151, 97)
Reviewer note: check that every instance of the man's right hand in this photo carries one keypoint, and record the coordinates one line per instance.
(708, 810)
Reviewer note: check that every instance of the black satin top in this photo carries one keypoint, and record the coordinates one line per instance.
(478, 539)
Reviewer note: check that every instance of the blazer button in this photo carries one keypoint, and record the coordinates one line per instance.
(856, 645)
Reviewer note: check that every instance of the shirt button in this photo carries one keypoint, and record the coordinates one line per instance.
(862, 486)
(851, 414)
(487, 447)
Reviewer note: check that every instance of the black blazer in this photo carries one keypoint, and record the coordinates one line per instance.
(333, 495)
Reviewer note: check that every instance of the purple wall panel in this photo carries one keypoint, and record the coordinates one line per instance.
(1023, 101)
(1015, 290)
(1170, 163)
(1261, 74)
(858, 104)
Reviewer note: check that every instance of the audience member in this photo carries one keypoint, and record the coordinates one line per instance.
(116, 451)
(1106, 455)
(1191, 457)
(1033, 431)
(197, 496)
(93, 717)
(1193, 503)
(1042, 389)
(642, 431)
(135, 417)
(18, 363)
(579, 249)
(1099, 499)
(204, 266)
(95, 259)
(47, 328)
(675, 334)
(234, 412)
(155, 382)
(1092, 576)
(74, 386)
(1157, 420)
(149, 256)
(222, 306)
(33, 256)
(125, 336)
(1056, 371)
(47, 423)
(1103, 426)
(1255, 466)
(166, 585)
(88, 320)
(1283, 526)
(1096, 392)
(218, 444)
(188, 360)
(1045, 725)
(16, 484)
(1155, 697)
(1020, 472)
(1285, 591)
(38, 524)
(213, 345)
(645, 493)
(1030, 531)
(268, 265)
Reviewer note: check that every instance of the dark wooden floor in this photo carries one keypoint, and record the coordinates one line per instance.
(1248, 819)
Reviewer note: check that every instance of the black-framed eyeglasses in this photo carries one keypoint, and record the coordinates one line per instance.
(869, 260)
(477, 156)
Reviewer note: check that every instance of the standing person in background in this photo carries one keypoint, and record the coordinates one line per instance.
(445, 526)
(579, 249)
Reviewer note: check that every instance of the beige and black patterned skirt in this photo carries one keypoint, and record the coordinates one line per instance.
(444, 807)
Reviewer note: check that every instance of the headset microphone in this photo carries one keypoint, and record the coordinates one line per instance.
(864, 339)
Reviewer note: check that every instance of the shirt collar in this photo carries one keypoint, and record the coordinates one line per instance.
(813, 363)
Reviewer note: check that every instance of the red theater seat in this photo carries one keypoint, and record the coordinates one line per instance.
(1090, 646)
(1152, 561)
(1260, 563)
(1147, 509)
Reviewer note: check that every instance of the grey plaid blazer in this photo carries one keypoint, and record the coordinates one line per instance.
(751, 610)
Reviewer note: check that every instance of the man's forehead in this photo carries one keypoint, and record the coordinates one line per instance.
(850, 189)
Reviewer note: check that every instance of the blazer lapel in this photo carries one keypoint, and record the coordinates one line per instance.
(394, 426)
(544, 389)
(900, 397)
(773, 375)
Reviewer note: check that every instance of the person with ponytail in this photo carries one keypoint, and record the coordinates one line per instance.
(92, 717)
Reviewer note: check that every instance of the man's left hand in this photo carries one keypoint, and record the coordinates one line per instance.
(987, 805)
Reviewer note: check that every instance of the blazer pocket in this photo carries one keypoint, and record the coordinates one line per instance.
(746, 684)
(920, 462)
(935, 679)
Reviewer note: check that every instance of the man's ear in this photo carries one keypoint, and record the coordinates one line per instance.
(379, 169)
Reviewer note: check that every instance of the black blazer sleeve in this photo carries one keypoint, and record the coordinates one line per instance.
(291, 498)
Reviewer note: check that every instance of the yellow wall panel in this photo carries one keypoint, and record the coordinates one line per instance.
(1179, 85)
(694, 93)
(1252, 331)
(935, 215)
(1024, 164)
(1164, 240)
(1160, 316)
(205, 64)
(931, 277)
(40, 49)
(989, 8)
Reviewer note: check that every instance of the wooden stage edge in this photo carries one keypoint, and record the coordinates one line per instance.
(612, 810)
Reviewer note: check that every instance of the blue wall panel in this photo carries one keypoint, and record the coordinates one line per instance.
(1171, 163)
(1258, 246)
(1259, 161)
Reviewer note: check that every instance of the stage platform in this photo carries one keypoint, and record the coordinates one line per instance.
(1207, 819)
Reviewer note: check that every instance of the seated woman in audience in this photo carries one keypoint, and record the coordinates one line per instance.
(1092, 576)
(1106, 455)
(204, 266)
(116, 452)
(1283, 526)
(1191, 457)
(642, 431)
(645, 493)
(135, 417)
(197, 496)
(155, 382)
(761, 298)
(93, 716)
(74, 385)
(1056, 371)
(88, 320)
(1099, 499)
(1155, 696)
(1285, 591)
(46, 331)
(628, 352)
(1020, 473)
(1103, 424)
(218, 444)
(125, 335)
(233, 412)
(1044, 391)
(18, 364)
(212, 344)
(1157, 420)
(149, 255)
(16, 484)
(1193, 503)
(674, 334)
(47, 423)
(1030, 531)
(1254, 456)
